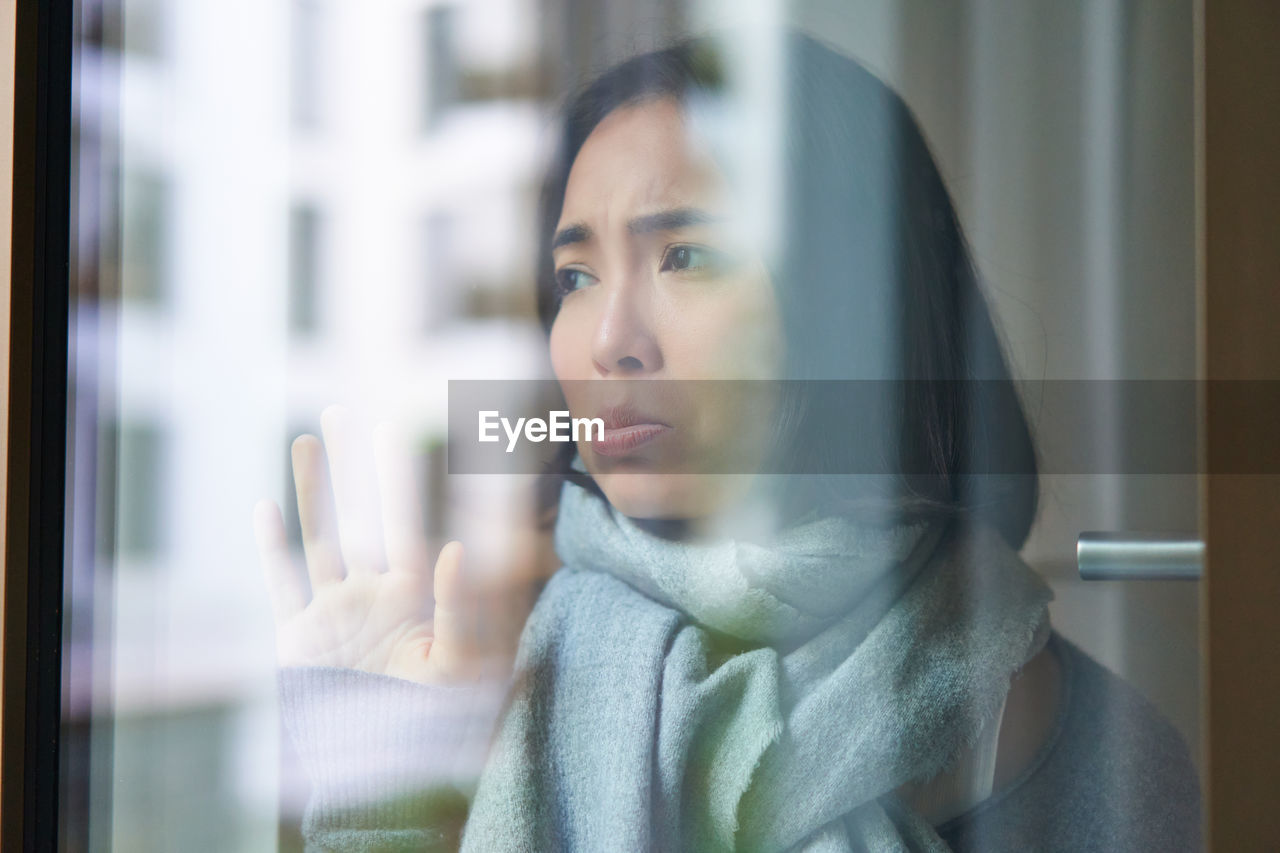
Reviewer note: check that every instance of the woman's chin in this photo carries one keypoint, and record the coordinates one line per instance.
(661, 496)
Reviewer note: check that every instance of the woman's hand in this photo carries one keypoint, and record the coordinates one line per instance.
(382, 610)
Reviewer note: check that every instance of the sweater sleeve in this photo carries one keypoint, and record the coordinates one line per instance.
(392, 763)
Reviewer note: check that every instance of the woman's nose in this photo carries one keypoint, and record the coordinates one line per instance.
(625, 342)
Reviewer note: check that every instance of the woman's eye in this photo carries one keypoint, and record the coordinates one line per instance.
(569, 280)
(692, 259)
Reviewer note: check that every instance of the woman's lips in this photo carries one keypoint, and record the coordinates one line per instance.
(619, 441)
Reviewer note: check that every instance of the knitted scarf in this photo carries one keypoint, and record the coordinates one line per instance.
(735, 695)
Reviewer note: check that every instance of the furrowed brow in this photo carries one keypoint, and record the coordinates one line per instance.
(570, 235)
(671, 220)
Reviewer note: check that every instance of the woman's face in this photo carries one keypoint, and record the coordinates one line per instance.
(656, 284)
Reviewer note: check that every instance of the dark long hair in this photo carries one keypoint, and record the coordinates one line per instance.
(871, 252)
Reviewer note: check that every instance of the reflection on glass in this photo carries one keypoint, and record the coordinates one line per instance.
(140, 513)
(440, 280)
(306, 247)
(440, 62)
(307, 63)
(144, 28)
(354, 208)
(148, 237)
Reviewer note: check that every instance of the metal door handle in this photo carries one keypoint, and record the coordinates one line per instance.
(1124, 556)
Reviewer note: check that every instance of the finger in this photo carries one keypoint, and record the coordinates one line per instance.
(452, 643)
(319, 541)
(285, 586)
(398, 492)
(509, 597)
(355, 536)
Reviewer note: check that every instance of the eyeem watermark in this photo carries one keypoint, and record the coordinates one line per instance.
(559, 427)
(1159, 435)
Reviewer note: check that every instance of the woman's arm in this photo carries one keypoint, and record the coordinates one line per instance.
(392, 671)
(392, 763)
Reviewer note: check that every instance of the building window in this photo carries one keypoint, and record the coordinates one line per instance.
(305, 267)
(146, 236)
(442, 296)
(143, 28)
(132, 499)
(457, 70)
(306, 62)
(440, 63)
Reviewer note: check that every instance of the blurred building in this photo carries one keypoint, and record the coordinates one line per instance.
(318, 201)
(309, 201)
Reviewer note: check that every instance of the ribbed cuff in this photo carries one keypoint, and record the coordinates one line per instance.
(384, 752)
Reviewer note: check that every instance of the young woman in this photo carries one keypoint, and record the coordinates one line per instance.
(791, 614)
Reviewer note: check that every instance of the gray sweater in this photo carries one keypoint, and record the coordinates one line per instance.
(393, 764)
(1113, 775)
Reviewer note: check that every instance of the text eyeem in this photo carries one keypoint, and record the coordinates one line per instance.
(558, 427)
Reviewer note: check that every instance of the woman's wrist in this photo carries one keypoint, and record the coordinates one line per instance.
(364, 737)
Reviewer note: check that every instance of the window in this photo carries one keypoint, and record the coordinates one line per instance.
(305, 267)
(143, 26)
(467, 62)
(306, 51)
(146, 236)
(130, 507)
(440, 284)
(440, 65)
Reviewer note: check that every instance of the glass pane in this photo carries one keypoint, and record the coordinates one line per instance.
(768, 360)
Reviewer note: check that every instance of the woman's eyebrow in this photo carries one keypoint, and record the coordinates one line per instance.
(663, 220)
(570, 234)
(671, 220)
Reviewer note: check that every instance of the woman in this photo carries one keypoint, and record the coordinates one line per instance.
(790, 614)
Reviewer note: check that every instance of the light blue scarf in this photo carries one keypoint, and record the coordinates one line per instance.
(728, 695)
